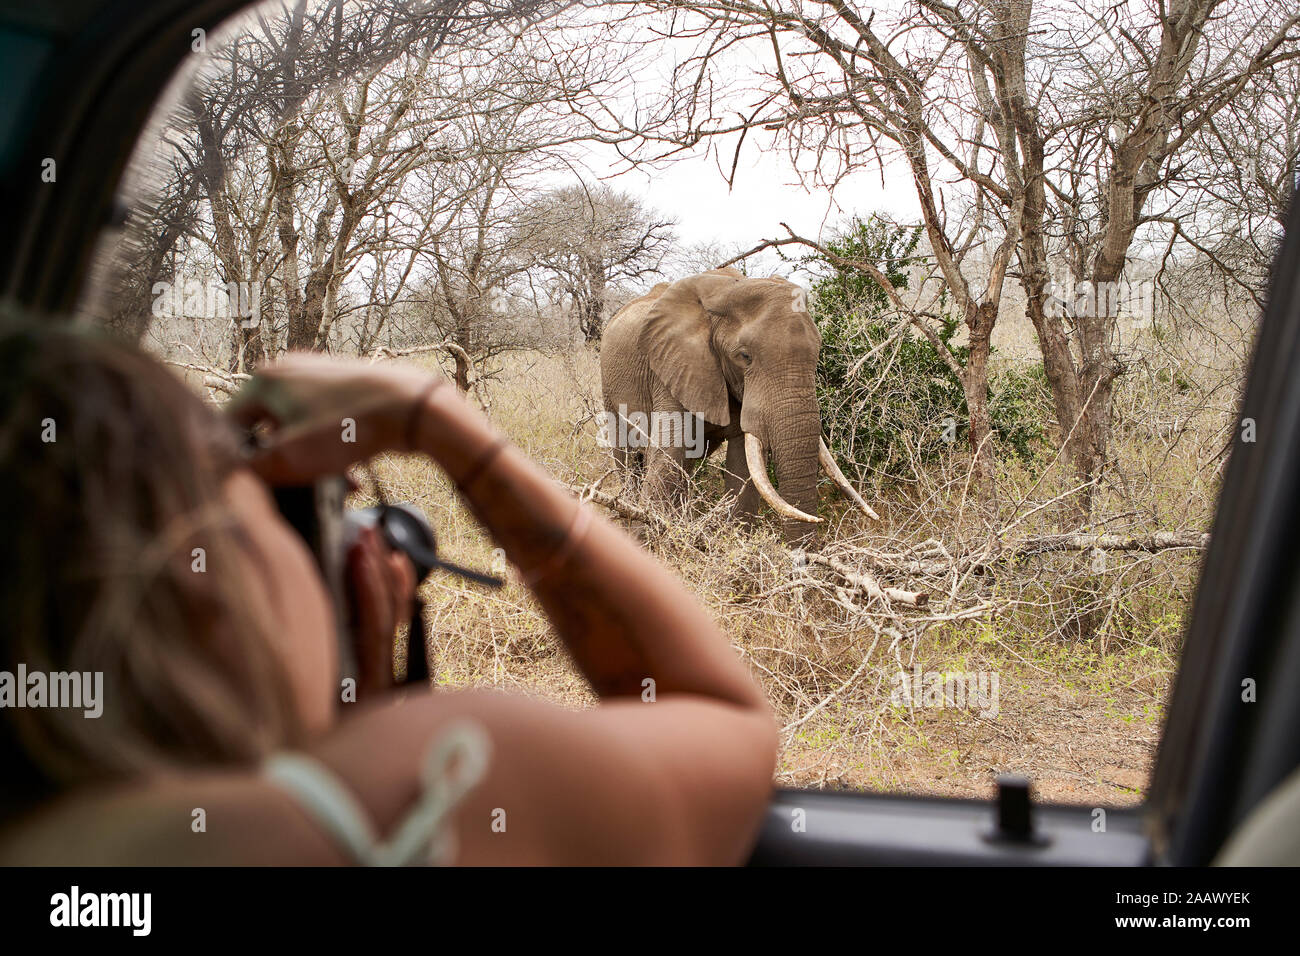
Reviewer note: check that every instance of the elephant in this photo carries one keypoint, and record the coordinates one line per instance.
(713, 358)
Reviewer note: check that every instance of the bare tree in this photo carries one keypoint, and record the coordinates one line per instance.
(246, 95)
(1030, 133)
(592, 238)
(1114, 156)
(1247, 164)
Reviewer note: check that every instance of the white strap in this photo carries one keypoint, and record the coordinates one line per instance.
(453, 765)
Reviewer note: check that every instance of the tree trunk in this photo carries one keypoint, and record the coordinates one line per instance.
(975, 384)
(591, 307)
(460, 353)
(248, 351)
(589, 321)
(462, 371)
(305, 321)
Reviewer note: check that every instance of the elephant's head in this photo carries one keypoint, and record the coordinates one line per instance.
(725, 344)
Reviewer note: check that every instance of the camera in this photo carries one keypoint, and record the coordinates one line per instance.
(319, 513)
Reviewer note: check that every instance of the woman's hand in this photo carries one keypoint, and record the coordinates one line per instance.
(316, 415)
(381, 590)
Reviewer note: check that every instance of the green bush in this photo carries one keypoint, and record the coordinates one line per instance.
(890, 403)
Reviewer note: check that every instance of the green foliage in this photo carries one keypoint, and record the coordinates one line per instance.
(1020, 402)
(888, 397)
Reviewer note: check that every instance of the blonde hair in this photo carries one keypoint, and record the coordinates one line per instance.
(101, 572)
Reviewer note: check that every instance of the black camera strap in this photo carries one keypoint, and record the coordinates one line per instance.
(407, 530)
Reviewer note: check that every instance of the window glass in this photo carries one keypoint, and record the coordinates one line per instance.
(977, 253)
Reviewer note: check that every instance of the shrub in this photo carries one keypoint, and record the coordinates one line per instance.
(888, 398)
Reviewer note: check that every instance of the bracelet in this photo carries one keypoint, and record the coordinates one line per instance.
(572, 538)
(413, 422)
(481, 464)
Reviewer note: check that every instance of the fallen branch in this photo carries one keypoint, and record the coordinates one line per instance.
(209, 371)
(221, 385)
(214, 379)
(1158, 541)
(446, 345)
(931, 559)
(385, 352)
(868, 584)
(616, 504)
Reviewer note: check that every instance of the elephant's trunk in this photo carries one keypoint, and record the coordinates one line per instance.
(794, 432)
(756, 458)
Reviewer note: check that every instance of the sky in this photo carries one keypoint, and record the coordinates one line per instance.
(693, 191)
(692, 188)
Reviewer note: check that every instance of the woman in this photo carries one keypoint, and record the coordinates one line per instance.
(145, 545)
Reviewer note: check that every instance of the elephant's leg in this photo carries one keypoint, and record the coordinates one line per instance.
(665, 473)
(713, 440)
(619, 434)
(628, 464)
(693, 465)
(665, 454)
(636, 469)
(619, 458)
(737, 481)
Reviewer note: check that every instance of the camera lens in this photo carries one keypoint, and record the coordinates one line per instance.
(406, 530)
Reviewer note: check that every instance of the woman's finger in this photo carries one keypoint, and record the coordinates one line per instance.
(265, 398)
(320, 415)
(374, 623)
(247, 406)
(301, 454)
(401, 577)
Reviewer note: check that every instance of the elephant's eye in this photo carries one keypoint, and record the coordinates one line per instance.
(744, 356)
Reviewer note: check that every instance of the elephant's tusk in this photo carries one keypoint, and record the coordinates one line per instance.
(758, 475)
(833, 470)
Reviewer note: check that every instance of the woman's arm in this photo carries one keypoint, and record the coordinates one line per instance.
(622, 615)
(675, 766)
(624, 618)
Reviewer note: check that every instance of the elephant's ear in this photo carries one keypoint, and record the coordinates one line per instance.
(676, 339)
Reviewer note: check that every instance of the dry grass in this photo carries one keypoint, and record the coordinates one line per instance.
(1081, 718)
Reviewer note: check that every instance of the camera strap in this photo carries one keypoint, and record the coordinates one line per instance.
(407, 530)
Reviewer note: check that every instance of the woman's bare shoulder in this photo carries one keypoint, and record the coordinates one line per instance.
(223, 818)
(239, 817)
(558, 786)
